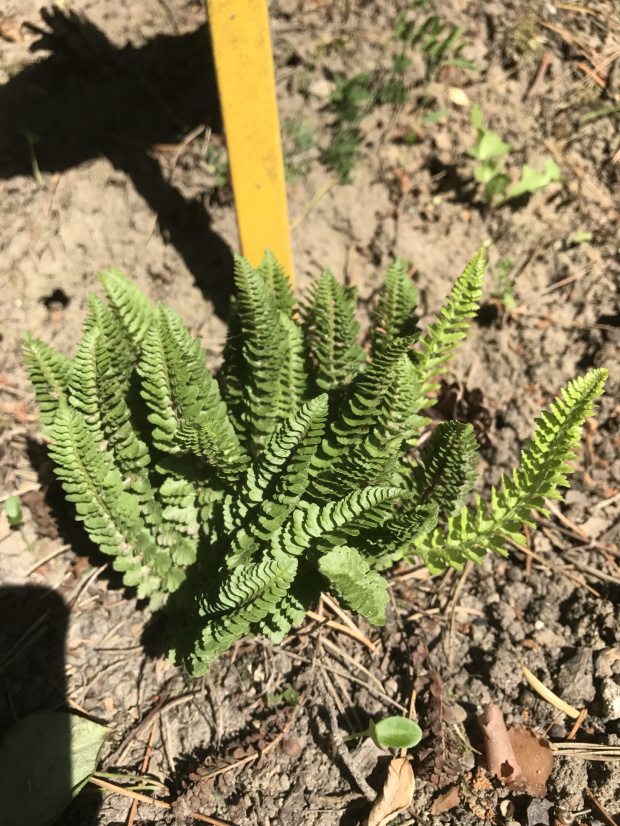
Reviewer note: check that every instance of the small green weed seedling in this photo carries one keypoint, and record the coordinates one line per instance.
(354, 98)
(391, 733)
(218, 166)
(491, 150)
(287, 695)
(299, 148)
(441, 45)
(504, 285)
(237, 504)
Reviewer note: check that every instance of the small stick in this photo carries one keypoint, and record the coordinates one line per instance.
(343, 751)
(609, 820)
(578, 722)
(558, 568)
(145, 765)
(312, 203)
(269, 747)
(344, 655)
(452, 610)
(46, 559)
(540, 75)
(569, 280)
(134, 732)
(549, 695)
(591, 73)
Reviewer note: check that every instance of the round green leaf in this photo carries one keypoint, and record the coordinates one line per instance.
(396, 733)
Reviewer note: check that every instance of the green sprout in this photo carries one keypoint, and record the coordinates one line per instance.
(392, 733)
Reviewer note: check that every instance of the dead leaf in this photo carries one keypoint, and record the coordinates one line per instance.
(8, 31)
(397, 793)
(108, 703)
(458, 96)
(446, 801)
(501, 759)
(534, 754)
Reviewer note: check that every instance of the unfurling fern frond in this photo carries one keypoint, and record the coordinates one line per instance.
(394, 315)
(544, 468)
(49, 373)
(450, 326)
(299, 476)
(278, 283)
(331, 331)
(252, 372)
(133, 308)
(447, 470)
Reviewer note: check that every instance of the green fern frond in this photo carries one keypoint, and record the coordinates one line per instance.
(207, 441)
(331, 333)
(544, 468)
(111, 515)
(100, 380)
(49, 374)
(278, 283)
(250, 593)
(134, 309)
(294, 370)
(394, 315)
(448, 467)
(354, 582)
(252, 373)
(117, 342)
(451, 325)
(277, 480)
(379, 414)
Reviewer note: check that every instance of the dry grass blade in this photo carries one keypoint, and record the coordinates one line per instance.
(547, 694)
(587, 751)
(558, 568)
(145, 765)
(162, 804)
(339, 652)
(333, 606)
(344, 629)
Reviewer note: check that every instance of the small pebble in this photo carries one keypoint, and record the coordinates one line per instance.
(291, 746)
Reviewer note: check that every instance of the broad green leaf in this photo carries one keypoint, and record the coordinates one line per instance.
(13, 508)
(45, 760)
(490, 145)
(532, 181)
(396, 733)
(496, 186)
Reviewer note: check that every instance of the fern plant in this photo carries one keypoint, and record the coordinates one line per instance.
(236, 502)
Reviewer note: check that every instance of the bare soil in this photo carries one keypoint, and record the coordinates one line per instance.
(110, 142)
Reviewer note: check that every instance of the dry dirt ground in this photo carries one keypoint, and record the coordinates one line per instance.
(111, 153)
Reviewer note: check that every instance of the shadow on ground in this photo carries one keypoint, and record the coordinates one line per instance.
(89, 98)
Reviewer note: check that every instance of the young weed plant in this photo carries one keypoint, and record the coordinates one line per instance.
(491, 150)
(236, 505)
(355, 98)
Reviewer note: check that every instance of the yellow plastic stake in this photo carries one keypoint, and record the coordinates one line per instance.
(247, 89)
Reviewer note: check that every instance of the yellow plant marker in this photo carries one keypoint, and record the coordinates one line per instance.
(246, 83)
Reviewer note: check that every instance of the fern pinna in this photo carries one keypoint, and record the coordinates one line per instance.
(237, 503)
